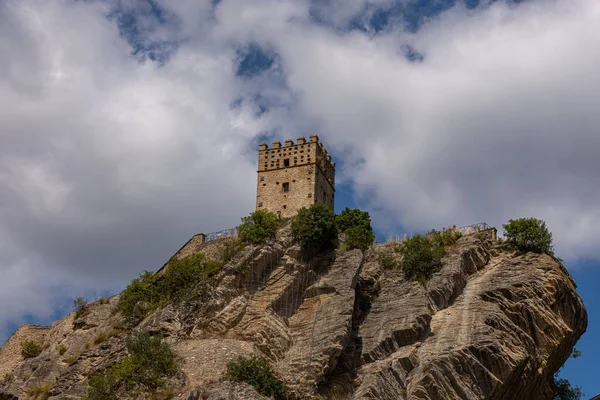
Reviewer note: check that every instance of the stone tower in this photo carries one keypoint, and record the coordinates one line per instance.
(293, 176)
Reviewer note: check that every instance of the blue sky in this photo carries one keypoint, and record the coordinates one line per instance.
(130, 125)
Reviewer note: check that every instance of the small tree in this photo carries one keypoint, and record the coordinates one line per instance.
(79, 306)
(420, 259)
(356, 224)
(314, 227)
(257, 372)
(529, 234)
(258, 226)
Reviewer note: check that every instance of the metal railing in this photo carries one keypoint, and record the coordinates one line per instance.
(465, 230)
(226, 233)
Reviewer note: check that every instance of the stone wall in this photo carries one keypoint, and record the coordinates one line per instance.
(10, 352)
(294, 176)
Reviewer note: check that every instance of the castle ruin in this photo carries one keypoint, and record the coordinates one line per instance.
(293, 176)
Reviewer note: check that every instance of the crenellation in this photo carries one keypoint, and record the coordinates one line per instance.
(289, 178)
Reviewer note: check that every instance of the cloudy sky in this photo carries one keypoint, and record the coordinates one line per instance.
(127, 126)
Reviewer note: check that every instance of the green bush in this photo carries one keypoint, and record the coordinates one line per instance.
(79, 306)
(359, 237)
(183, 279)
(257, 372)
(387, 261)
(420, 258)
(149, 362)
(186, 277)
(445, 237)
(314, 227)
(529, 234)
(101, 387)
(139, 297)
(30, 349)
(356, 225)
(351, 217)
(259, 226)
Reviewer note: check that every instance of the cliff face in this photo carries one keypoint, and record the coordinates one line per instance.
(489, 325)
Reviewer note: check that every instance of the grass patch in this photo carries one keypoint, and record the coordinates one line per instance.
(7, 378)
(40, 391)
(30, 349)
(71, 359)
(257, 372)
(104, 336)
(62, 349)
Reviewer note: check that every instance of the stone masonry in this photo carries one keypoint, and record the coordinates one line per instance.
(293, 176)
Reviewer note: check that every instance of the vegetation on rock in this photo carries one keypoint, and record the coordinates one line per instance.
(183, 279)
(40, 391)
(259, 226)
(445, 237)
(257, 372)
(314, 227)
(79, 306)
(231, 247)
(356, 224)
(563, 390)
(30, 349)
(529, 234)
(147, 367)
(420, 257)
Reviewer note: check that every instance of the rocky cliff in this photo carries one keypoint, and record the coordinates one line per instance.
(491, 324)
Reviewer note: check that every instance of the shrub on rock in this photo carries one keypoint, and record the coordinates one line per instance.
(257, 372)
(420, 258)
(529, 234)
(314, 227)
(356, 225)
(258, 226)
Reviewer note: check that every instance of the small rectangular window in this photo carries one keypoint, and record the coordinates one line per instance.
(286, 187)
(286, 162)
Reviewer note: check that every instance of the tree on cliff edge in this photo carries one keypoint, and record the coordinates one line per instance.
(529, 234)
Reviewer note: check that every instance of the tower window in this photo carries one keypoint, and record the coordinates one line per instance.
(286, 187)
(260, 204)
(284, 206)
(262, 178)
(286, 162)
(309, 195)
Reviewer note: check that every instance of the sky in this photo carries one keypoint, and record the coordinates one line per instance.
(127, 126)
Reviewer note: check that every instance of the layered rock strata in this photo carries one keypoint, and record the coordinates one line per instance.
(491, 324)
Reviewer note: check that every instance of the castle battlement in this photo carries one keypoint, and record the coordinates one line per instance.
(294, 175)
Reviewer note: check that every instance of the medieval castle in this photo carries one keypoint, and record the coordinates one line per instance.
(294, 176)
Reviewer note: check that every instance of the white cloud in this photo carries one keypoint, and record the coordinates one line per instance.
(108, 164)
